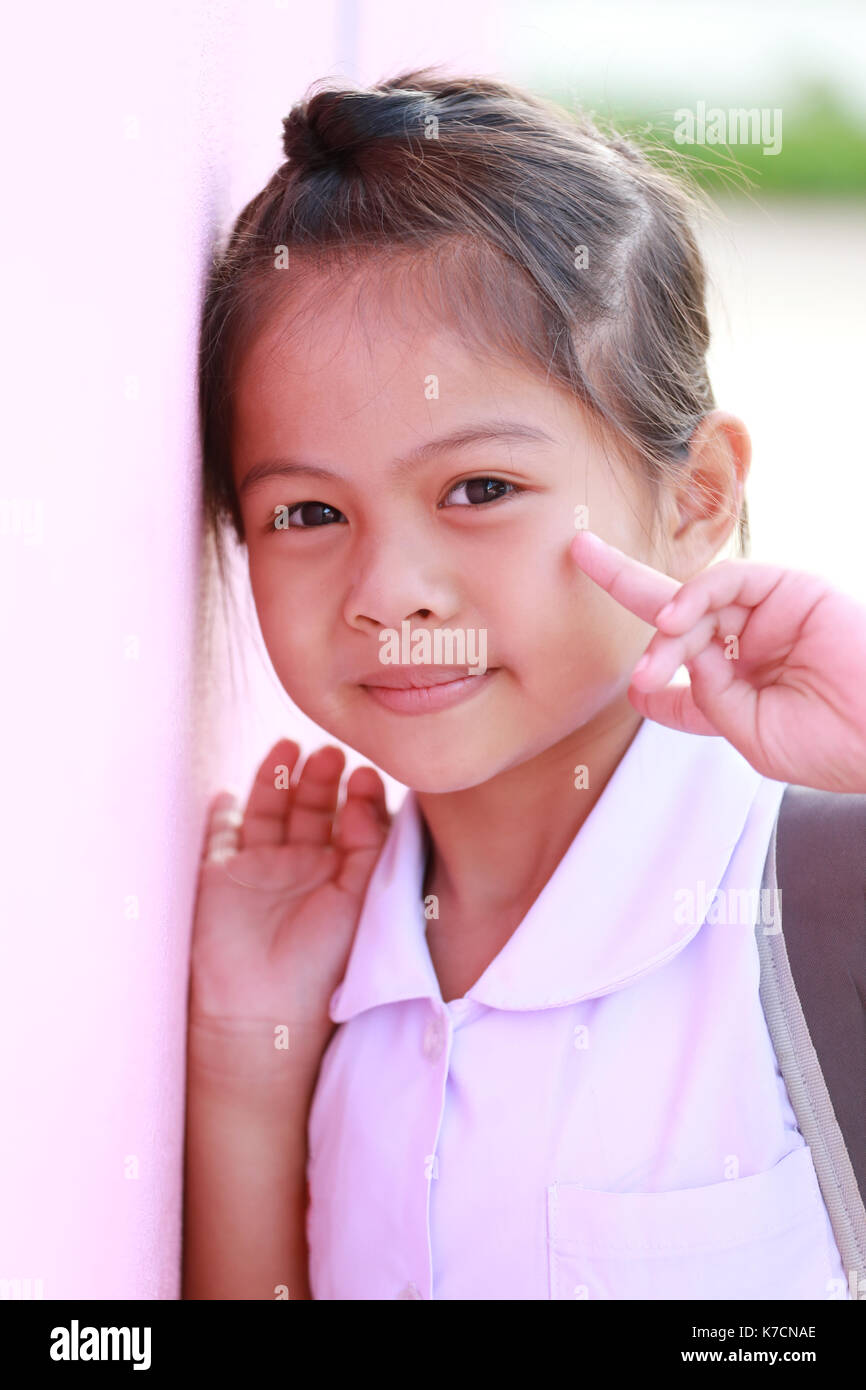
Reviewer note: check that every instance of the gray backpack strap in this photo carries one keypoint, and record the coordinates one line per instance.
(813, 991)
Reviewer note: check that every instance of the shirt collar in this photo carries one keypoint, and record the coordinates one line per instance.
(667, 820)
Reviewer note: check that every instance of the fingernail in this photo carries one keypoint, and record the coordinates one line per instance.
(665, 612)
(642, 665)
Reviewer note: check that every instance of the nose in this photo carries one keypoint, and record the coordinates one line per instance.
(392, 581)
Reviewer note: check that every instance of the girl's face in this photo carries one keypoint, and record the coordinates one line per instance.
(397, 522)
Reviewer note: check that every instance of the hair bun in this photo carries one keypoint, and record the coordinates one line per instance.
(336, 125)
(302, 141)
(323, 130)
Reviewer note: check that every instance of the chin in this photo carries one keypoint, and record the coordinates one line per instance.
(440, 771)
(441, 781)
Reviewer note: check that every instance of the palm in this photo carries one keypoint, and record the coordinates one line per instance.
(274, 921)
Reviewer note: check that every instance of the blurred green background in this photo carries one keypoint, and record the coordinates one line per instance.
(823, 149)
(635, 63)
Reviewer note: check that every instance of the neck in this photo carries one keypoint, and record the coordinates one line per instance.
(497, 844)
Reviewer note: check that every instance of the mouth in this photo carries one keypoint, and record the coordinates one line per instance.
(422, 690)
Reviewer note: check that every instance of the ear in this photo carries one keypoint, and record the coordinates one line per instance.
(709, 496)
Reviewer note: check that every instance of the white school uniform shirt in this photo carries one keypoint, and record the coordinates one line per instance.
(602, 1115)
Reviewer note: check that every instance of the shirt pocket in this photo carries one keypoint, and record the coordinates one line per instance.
(761, 1237)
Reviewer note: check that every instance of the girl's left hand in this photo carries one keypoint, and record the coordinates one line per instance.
(776, 657)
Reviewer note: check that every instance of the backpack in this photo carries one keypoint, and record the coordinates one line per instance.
(813, 992)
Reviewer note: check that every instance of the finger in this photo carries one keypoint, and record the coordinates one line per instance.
(356, 868)
(665, 655)
(222, 836)
(269, 800)
(363, 820)
(674, 707)
(717, 686)
(314, 802)
(741, 582)
(362, 830)
(638, 587)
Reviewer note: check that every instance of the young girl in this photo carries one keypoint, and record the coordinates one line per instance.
(498, 1048)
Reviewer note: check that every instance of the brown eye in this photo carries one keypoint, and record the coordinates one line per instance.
(483, 489)
(304, 516)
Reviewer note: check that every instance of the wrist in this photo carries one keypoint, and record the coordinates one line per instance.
(255, 1058)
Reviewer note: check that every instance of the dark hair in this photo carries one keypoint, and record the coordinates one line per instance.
(486, 194)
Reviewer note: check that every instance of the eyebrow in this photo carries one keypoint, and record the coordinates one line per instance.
(484, 431)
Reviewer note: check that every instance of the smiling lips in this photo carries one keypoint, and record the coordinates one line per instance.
(422, 689)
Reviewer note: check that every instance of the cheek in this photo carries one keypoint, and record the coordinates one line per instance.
(573, 634)
(291, 615)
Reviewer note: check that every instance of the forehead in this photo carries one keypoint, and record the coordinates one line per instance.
(379, 353)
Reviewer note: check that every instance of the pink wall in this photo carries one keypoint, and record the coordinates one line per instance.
(131, 135)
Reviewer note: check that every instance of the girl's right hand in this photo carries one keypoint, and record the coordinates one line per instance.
(279, 895)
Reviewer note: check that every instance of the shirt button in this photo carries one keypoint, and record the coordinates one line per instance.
(434, 1039)
(410, 1291)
